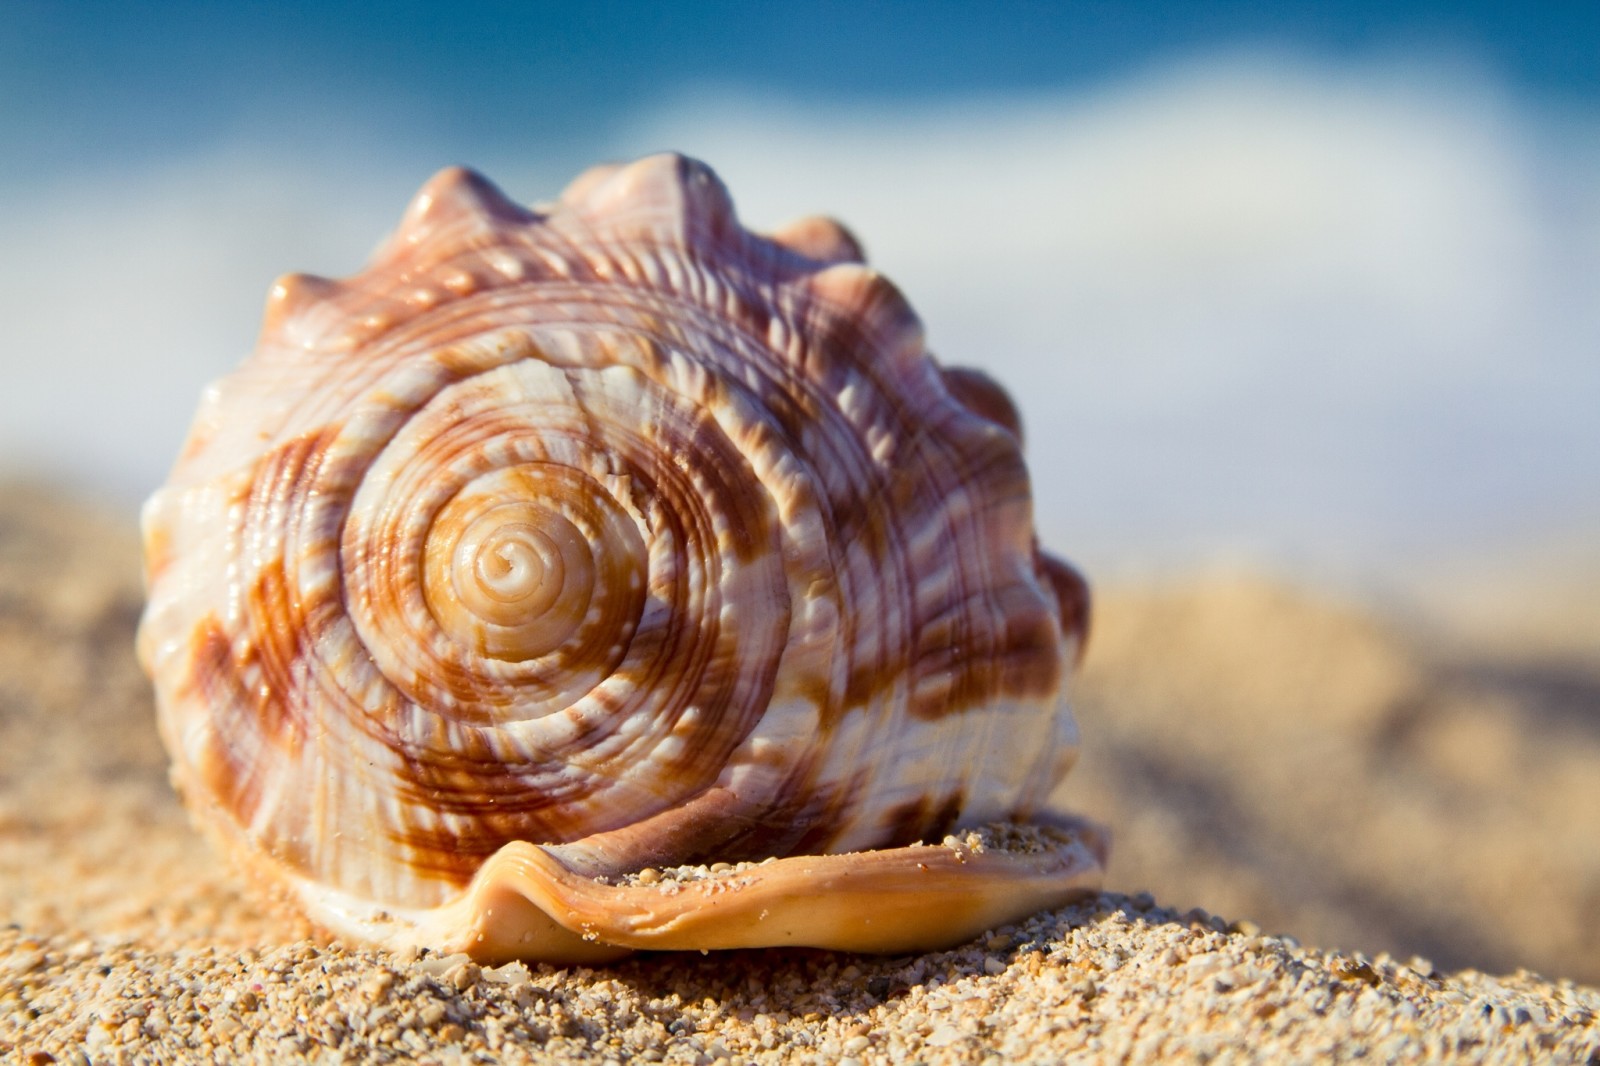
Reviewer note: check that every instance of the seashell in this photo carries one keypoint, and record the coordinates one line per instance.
(561, 547)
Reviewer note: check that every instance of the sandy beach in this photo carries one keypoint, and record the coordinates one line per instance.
(1377, 814)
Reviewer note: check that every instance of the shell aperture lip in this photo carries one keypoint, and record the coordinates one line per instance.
(525, 901)
(617, 532)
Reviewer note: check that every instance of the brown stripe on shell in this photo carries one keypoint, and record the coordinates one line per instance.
(216, 676)
(922, 819)
(718, 825)
(728, 485)
(281, 624)
(998, 636)
(233, 769)
(279, 638)
(251, 690)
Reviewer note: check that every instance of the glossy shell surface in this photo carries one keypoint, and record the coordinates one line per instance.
(599, 536)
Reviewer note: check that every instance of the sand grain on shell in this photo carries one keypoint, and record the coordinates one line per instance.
(128, 942)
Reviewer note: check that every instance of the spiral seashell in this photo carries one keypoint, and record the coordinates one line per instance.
(558, 545)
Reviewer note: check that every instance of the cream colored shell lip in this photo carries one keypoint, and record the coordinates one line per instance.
(565, 552)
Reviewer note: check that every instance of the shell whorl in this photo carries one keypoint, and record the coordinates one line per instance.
(568, 525)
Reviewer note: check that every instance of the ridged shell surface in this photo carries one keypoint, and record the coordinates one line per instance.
(607, 524)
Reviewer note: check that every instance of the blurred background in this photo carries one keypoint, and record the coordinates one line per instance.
(1301, 304)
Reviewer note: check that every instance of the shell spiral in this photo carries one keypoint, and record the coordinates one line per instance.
(608, 526)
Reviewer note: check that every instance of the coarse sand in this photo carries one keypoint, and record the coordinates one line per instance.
(1256, 749)
(1116, 980)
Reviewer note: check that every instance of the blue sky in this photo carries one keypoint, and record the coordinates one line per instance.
(90, 80)
(1310, 285)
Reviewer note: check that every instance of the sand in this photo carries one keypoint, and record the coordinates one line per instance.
(1360, 783)
(1303, 765)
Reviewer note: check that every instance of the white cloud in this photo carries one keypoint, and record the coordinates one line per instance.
(1246, 306)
